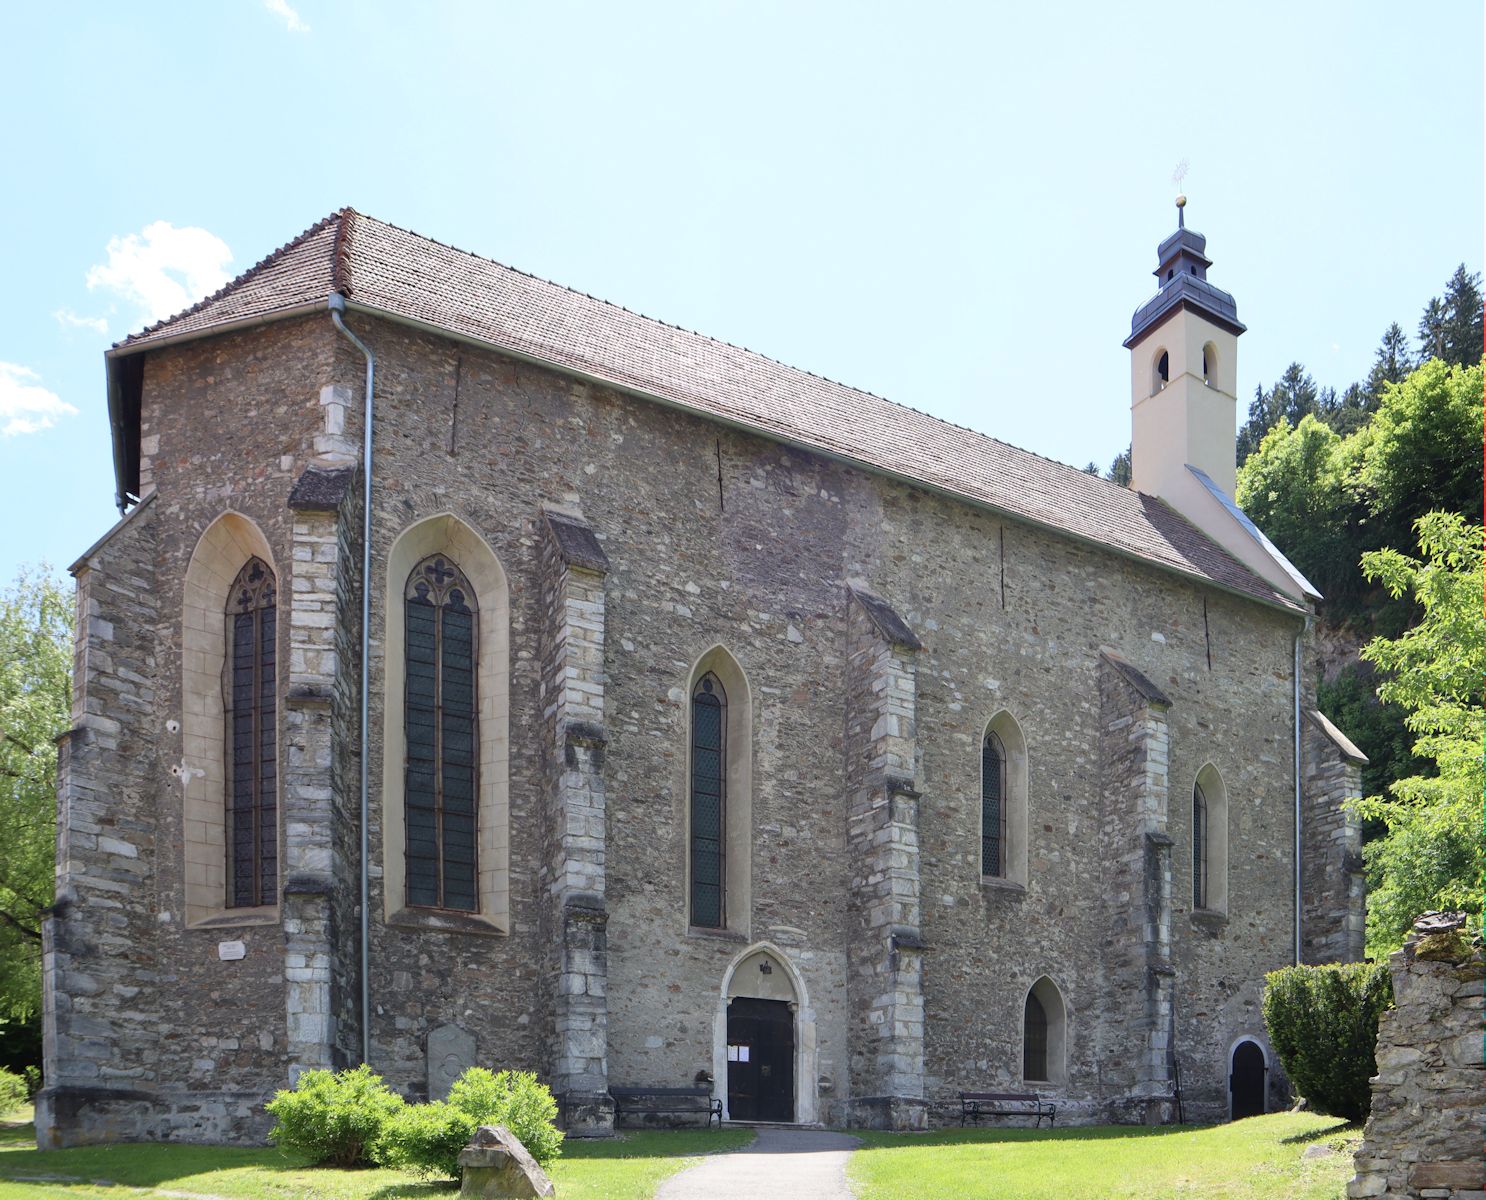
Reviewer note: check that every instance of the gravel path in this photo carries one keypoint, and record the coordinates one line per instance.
(782, 1164)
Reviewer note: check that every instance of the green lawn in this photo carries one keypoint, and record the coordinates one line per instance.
(627, 1168)
(1257, 1159)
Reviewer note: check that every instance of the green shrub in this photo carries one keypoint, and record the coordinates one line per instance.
(32, 1076)
(427, 1138)
(13, 1091)
(1323, 1023)
(333, 1118)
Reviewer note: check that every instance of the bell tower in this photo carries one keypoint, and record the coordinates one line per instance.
(1183, 347)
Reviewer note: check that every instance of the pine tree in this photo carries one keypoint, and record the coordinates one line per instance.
(1119, 470)
(1389, 365)
(1463, 319)
(1432, 330)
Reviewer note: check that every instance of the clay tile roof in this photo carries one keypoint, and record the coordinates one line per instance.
(383, 268)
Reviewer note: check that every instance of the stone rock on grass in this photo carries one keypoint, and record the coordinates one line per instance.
(498, 1167)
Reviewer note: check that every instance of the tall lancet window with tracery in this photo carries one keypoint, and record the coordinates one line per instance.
(708, 802)
(992, 807)
(252, 774)
(442, 730)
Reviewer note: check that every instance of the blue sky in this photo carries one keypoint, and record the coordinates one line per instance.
(955, 206)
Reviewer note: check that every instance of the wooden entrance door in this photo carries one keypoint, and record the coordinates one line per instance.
(1246, 1081)
(761, 1060)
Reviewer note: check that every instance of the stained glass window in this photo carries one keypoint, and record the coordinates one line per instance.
(992, 806)
(708, 801)
(252, 774)
(442, 621)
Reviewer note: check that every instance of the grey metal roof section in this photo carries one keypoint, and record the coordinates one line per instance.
(1341, 740)
(1182, 270)
(893, 628)
(576, 542)
(1136, 679)
(1307, 588)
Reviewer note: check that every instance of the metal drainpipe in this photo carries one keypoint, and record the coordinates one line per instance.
(1300, 634)
(337, 307)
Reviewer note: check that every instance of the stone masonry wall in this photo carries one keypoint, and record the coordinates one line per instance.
(712, 537)
(1423, 1136)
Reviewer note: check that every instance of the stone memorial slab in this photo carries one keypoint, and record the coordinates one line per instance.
(450, 1051)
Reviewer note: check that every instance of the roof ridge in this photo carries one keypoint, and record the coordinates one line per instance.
(735, 346)
(238, 280)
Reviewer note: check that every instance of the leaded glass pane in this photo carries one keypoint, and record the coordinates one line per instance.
(443, 739)
(252, 767)
(708, 815)
(1199, 848)
(992, 806)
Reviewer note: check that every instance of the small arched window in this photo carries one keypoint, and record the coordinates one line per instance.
(251, 692)
(441, 724)
(993, 797)
(1199, 847)
(708, 802)
(1210, 365)
(1209, 842)
(1044, 1034)
(1034, 1039)
(1163, 371)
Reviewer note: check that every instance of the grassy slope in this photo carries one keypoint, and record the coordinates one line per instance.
(626, 1169)
(1257, 1159)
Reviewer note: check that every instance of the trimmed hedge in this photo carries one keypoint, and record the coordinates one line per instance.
(1323, 1023)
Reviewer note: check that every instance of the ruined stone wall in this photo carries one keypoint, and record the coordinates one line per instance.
(1333, 884)
(1423, 1136)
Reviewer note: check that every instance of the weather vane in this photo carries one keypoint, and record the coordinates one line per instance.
(1181, 201)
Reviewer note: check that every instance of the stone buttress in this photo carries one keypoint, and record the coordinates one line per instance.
(885, 951)
(1333, 885)
(1134, 755)
(319, 865)
(101, 977)
(574, 910)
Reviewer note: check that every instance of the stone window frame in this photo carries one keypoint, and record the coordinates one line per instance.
(1055, 1008)
(737, 899)
(1213, 847)
(1008, 731)
(228, 542)
(448, 534)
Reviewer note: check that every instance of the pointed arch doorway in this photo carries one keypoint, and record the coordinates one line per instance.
(764, 1044)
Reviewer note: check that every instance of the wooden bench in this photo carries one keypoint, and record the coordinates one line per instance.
(657, 1101)
(974, 1105)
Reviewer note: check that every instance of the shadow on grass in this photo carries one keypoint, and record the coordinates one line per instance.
(18, 1136)
(1341, 1129)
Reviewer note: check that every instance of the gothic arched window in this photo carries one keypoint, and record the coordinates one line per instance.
(1200, 838)
(992, 806)
(1034, 1039)
(441, 724)
(708, 802)
(252, 776)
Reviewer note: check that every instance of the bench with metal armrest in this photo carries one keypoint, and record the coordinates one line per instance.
(974, 1105)
(647, 1101)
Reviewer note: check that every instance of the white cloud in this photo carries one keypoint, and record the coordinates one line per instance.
(26, 406)
(163, 269)
(280, 8)
(70, 319)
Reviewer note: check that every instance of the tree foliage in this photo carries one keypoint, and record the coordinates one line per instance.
(1431, 855)
(35, 679)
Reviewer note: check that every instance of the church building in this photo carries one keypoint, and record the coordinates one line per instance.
(483, 673)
